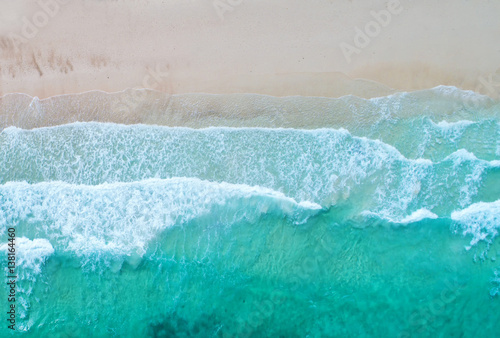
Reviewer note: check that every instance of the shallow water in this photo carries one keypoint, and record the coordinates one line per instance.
(383, 229)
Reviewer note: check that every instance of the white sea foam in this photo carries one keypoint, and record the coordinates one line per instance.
(416, 216)
(453, 131)
(439, 140)
(480, 220)
(323, 166)
(120, 219)
(423, 161)
(460, 94)
(31, 255)
(461, 155)
(419, 215)
(445, 125)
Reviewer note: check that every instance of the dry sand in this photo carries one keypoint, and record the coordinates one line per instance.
(274, 47)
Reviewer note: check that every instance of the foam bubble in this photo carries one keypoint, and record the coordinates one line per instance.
(323, 166)
(415, 216)
(462, 155)
(120, 219)
(419, 215)
(480, 220)
(31, 255)
(445, 125)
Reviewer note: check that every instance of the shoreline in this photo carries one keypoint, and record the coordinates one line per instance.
(197, 110)
(331, 85)
(390, 92)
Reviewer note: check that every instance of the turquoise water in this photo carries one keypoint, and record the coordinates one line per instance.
(386, 230)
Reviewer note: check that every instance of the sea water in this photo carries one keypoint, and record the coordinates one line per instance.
(383, 229)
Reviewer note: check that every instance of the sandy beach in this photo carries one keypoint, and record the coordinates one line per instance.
(250, 168)
(279, 48)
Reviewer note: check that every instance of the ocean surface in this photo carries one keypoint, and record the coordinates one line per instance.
(338, 218)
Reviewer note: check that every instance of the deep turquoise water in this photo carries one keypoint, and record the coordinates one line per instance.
(146, 231)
